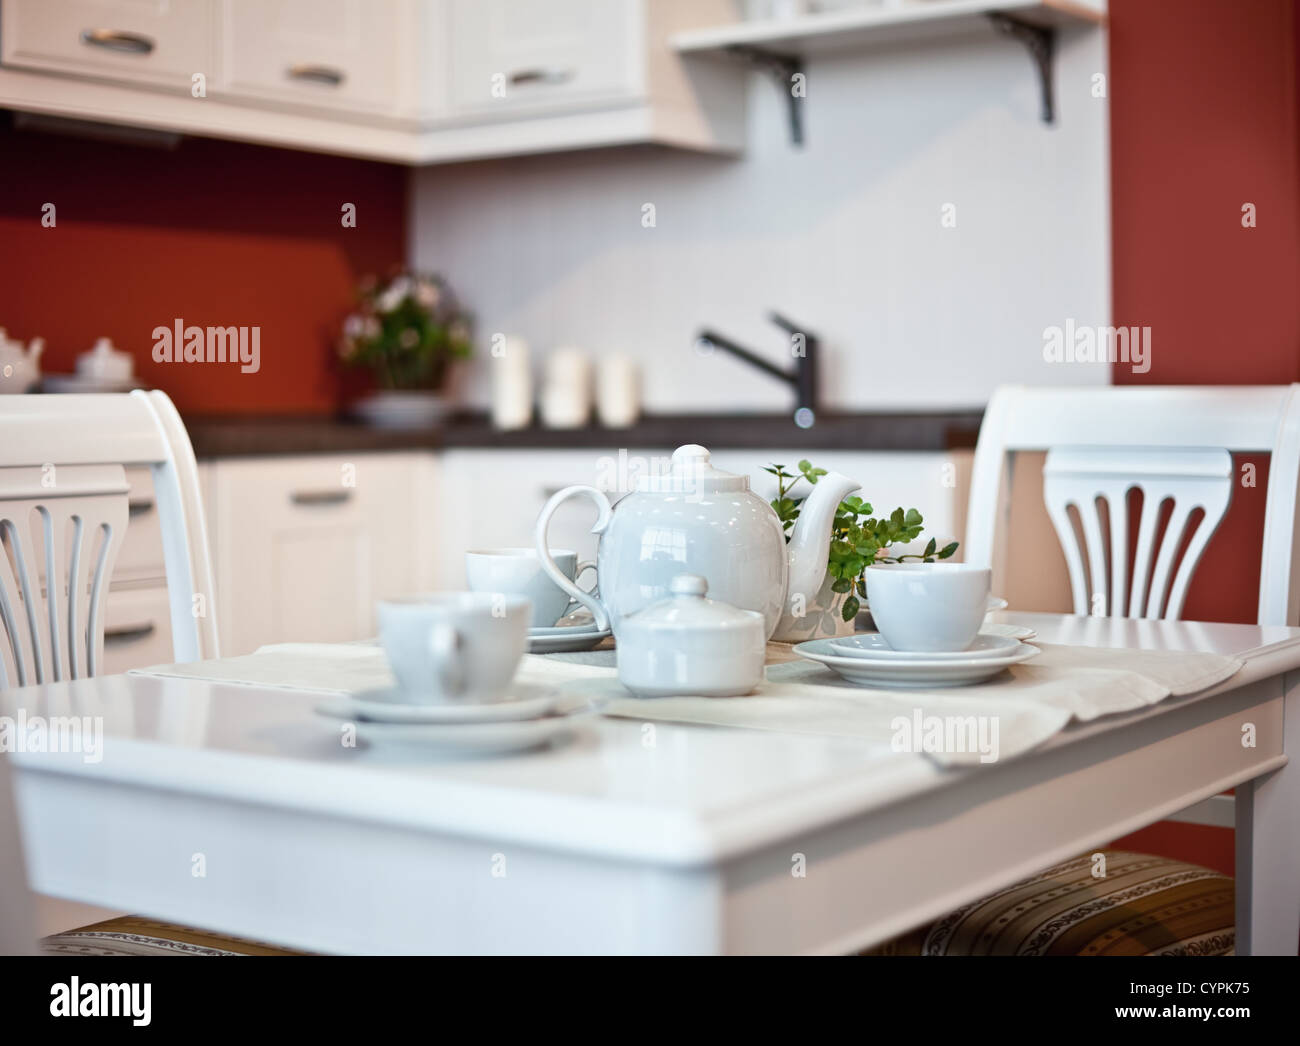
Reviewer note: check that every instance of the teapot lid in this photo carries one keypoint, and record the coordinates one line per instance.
(691, 473)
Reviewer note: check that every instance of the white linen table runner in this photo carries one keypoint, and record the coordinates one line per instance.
(1012, 713)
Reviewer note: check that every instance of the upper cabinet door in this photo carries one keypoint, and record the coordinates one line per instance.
(158, 42)
(331, 54)
(516, 55)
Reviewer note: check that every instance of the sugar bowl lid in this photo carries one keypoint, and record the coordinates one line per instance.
(691, 472)
(688, 613)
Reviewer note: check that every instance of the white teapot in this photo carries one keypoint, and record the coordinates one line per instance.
(696, 519)
(20, 367)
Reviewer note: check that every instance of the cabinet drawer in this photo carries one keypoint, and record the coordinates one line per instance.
(334, 54)
(160, 42)
(305, 546)
(137, 629)
(515, 55)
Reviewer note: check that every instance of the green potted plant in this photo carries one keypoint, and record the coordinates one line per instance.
(409, 332)
(858, 539)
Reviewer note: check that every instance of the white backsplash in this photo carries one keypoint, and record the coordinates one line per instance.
(844, 236)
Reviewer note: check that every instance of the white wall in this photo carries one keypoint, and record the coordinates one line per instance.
(843, 236)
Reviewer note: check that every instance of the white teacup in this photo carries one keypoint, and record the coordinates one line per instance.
(928, 606)
(454, 646)
(518, 571)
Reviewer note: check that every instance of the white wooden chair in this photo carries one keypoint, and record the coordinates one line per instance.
(1173, 446)
(63, 515)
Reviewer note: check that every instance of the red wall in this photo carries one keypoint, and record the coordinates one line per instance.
(216, 233)
(1205, 116)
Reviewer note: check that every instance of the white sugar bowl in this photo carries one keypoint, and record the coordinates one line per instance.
(690, 645)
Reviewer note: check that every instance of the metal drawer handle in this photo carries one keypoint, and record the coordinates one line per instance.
(316, 74)
(129, 634)
(139, 508)
(117, 40)
(320, 497)
(523, 77)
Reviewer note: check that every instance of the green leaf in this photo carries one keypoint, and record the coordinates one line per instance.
(947, 550)
(842, 585)
(929, 549)
(850, 609)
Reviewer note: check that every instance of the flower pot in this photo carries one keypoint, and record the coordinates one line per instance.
(403, 408)
(820, 619)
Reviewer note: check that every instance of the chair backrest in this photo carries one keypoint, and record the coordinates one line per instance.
(63, 515)
(1169, 446)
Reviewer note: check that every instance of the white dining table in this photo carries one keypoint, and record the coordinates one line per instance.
(235, 808)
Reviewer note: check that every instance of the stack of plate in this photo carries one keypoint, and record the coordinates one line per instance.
(867, 660)
(528, 717)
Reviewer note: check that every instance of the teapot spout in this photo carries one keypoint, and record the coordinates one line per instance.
(34, 349)
(810, 544)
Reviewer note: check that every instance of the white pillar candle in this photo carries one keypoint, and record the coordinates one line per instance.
(512, 386)
(618, 391)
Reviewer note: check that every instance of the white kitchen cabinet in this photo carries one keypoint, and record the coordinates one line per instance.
(522, 56)
(304, 546)
(492, 498)
(336, 55)
(411, 81)
(158, 43)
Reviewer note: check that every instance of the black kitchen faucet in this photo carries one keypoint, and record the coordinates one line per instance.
(802, 377)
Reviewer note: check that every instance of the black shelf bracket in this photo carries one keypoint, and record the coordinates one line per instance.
(1040, 42)
(783, 68)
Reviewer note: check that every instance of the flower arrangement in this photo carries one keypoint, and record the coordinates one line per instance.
(408, 331)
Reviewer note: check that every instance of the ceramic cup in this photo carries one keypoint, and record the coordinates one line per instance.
(459, 647)
(928, 606)
(518, 571)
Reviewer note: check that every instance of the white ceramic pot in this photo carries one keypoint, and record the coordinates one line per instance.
(687, 644)
(819, 619)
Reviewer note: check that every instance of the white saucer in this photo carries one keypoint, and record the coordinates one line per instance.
(388, 705)
(872, 646)
(912, 674)
(470, 738)
(567, 640)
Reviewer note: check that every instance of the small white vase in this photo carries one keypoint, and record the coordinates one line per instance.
(821, 619)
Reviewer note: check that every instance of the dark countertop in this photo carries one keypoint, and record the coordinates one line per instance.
(241, 436)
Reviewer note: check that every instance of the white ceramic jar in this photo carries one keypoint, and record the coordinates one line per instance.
(687, 644)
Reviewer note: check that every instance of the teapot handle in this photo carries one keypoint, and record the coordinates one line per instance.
(587, 599)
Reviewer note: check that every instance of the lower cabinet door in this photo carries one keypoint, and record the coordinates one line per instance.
(305, 546)
(137, 629)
